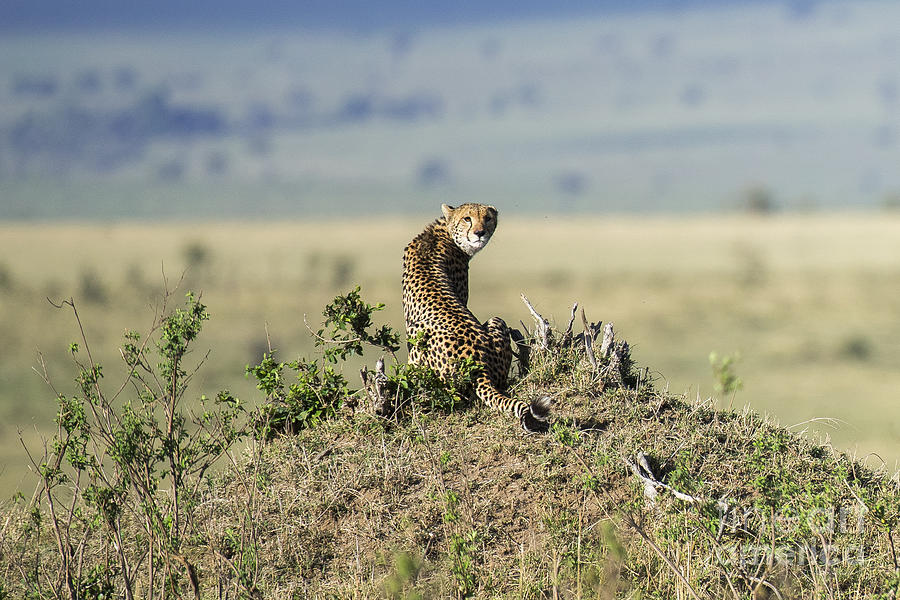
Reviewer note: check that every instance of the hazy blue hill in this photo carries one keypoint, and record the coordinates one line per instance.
(675, 107)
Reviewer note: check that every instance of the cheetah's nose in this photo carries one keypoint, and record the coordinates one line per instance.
(478, 232)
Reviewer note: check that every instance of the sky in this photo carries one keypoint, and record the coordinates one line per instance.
(31, 15)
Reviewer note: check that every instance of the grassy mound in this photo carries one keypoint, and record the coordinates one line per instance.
(633, 493)
(465, 505)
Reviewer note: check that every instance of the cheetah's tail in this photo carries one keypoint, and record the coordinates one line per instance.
(536, 416)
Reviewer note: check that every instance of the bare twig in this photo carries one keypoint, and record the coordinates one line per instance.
(641, 469)
(609, 336)
(588, 342)
(525, 328)
(326, 340)
(567, 334)
(542, 330)
(616, 370)
(374, 387)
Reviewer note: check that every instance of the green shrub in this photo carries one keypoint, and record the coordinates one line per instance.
(726, 380)
(317, 394)
(140, 458)
(420, 385)
(349, 318)
(317, 391)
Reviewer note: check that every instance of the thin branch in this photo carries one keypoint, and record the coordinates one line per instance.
(542, 329)
(588, 341)
(642, 471)
(567, 334)
(609, 338)
(268, 339)
(326, 340)
(130, 376)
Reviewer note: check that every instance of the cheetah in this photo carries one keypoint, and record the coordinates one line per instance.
(435, 299)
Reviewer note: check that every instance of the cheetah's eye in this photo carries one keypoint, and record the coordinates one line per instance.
(468, 220)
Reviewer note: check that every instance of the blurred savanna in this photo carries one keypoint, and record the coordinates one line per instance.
(807, 302)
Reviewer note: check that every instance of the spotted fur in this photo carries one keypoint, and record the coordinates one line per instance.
(435, 299)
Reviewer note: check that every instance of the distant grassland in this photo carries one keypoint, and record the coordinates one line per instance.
(810, 301)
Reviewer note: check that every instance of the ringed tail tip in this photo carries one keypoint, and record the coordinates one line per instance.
(537, 418)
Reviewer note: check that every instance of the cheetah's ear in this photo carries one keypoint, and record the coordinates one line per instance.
(493, 209)
(446, 209)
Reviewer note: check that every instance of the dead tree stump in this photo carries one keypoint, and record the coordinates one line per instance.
(612, 366)
(374, 383)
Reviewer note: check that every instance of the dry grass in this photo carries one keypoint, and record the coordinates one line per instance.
(466, 505)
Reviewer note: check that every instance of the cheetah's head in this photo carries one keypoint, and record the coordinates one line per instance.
(470, 225)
